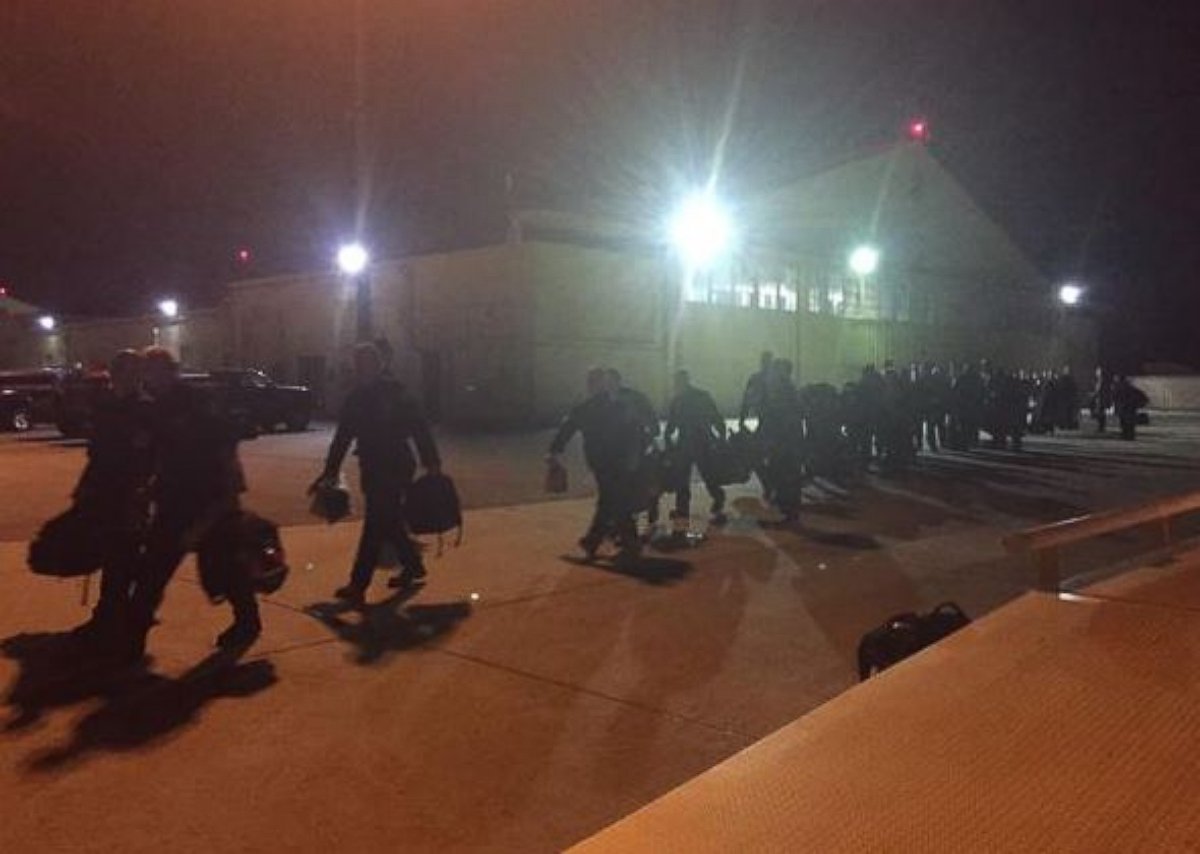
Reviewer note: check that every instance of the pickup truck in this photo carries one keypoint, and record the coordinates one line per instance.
(250, 398)
(255, 401)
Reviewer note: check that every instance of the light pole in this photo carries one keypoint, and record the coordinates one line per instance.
(352, 260)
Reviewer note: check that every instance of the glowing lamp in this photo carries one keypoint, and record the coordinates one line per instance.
(864, 260)
(1070, 294)
(352, 259)
(700, 230)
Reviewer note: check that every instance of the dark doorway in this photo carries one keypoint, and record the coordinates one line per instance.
(431, 384)
(310, 371)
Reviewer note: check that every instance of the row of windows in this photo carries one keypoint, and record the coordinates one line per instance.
(842, 295)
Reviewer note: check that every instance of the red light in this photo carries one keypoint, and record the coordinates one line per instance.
(243, 256)
(3, 291)
(918, 130)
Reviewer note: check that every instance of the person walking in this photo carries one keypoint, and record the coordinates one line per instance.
(197, 480)
(1127, 400)
(754, 397)
(613, 438)
(383, 422)
(113, 490)
(694, 425)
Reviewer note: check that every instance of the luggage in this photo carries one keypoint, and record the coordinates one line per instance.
(727, 464)
(241, 542)
(69, 545)
(330, 501)
(432, 506)
(906, 634)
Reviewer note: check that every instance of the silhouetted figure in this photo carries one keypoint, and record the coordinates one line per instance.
(968, 398)
(1068, 393)
(613, 441)
(755, 395)
(383, 422)
(114, 489)
(197, 481)
(782, 430)
(1102, 399)
(694, 425)
(1127, 400)
(871, 389)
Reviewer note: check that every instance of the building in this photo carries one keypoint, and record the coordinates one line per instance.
(503, 334)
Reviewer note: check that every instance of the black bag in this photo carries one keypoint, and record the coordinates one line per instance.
(432, 506)
(726, 464)
(330, 501)
(69, 545)
(242, 542)
(906, 634)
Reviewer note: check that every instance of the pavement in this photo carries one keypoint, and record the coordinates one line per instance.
(519, 701)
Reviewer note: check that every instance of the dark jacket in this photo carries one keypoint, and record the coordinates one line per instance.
(195, 452)
(381, 419)
(695, 416)
(612, 434)
(120, 458)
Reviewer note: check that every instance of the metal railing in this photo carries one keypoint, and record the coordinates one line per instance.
(1046, 541)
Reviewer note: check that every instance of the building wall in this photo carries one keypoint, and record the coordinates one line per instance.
(1171, 392)
(592, 307)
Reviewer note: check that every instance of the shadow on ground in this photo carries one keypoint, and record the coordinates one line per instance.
(138, 707)
(657, 571)
(389, 626)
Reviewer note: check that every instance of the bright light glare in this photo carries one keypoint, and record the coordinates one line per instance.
(47, 322)
(864, 260)
(700, 230)
(352, 259)
(168, 308)
(1070, 294)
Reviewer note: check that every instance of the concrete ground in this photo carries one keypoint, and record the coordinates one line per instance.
(519, 701)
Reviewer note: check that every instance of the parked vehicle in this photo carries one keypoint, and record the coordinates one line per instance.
(255, 401)
(15, 411)
(41, 388)
(77, 397)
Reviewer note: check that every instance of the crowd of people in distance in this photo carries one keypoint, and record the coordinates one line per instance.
(788, 433)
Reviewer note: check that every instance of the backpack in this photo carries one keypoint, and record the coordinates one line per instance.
(69, 545)
(241, 542)
(906, 634)
(432, 506)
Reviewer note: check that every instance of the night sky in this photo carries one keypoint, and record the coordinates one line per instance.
(142, 143)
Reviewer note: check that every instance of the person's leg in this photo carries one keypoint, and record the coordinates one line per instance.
(683, 487)
(370, 541)
(247, 625)
(705, 464)
(163, 553)
(601, 524)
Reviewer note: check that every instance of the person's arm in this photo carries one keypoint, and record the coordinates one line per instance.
(715, 419)
(566, 429)
(426, 447)
(745, 410)
(347, 430)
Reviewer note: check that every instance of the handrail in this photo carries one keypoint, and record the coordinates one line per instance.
(1044, 541)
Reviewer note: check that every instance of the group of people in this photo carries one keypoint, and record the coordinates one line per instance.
(622, 435)
(889, 415)
(163, 473)
(788, 433)
(163, 468)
